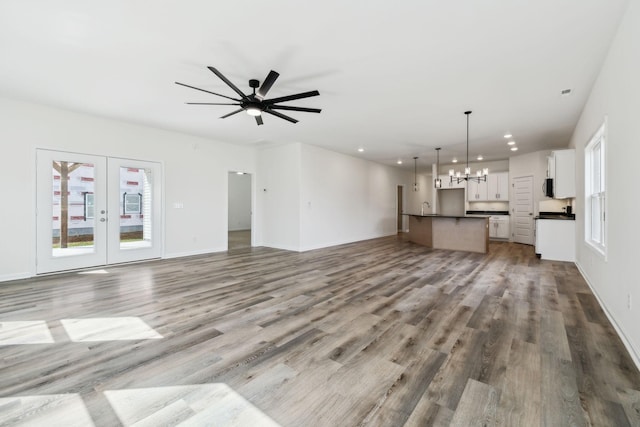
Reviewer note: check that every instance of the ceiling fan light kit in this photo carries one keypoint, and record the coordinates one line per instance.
(481, 175)
(255, 103)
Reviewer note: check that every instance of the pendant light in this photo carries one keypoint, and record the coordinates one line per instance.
(415, 174)
(481, 175)
(437, 183)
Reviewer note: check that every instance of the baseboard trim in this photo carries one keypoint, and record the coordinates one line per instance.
(627, 344)
(16, 276)
(193, 253)
(345, 242)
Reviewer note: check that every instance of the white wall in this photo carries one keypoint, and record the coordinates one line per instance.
(616, 94)
(345, 199)
(239, 201)
(195, 174)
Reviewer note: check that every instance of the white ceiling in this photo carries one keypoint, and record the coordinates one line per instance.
(394, 77)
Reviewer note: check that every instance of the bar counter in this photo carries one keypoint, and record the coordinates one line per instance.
(457, 233)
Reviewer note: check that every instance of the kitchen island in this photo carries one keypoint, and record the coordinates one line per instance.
(458, 233)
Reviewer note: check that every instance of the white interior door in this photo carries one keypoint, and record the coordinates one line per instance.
(94, 210)
(523, 210)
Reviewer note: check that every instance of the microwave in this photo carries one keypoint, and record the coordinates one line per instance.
(547, 187)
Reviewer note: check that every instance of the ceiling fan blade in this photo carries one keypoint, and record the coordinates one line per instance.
(232, 113)
(213, 93)
(259, 120)
(226, 80)
(211, 103)
(291, 97)
(266, 85)
(286, 107)
(282, 116)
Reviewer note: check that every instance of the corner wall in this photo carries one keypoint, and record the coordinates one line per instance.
(346, 199)
(615, 95)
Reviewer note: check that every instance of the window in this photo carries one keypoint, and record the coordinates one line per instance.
(132, 203)
(88, 206)
(595, 191)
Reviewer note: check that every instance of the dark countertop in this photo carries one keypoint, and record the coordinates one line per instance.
(487, 212)
(446, 216)
(556, 215)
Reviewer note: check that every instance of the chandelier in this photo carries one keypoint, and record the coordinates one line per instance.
(481, 175)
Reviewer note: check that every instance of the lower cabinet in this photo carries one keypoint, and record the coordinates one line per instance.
(499, 227)
(556, 239)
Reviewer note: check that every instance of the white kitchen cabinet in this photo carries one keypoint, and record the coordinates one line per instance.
(498, 187)
(446, 182)
(499, 227)
(556, 239)
(562, 168)
(477, 191)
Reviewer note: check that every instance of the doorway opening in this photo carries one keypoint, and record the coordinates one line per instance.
(239, 215)
(400, 209)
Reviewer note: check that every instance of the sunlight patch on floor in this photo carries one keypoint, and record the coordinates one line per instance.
(109, 329)
(54, 409)
(191, 405)
(25, 332)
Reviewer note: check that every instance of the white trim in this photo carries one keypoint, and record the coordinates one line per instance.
(598, 139)
(15, 276)
(194, 253)
(635, 357)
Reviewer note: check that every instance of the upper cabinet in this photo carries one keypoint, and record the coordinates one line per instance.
(446, 182)
(477, 191)
(498, 187)
(562, 168)
(494, 189)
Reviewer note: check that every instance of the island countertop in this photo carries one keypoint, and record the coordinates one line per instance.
(447, 216)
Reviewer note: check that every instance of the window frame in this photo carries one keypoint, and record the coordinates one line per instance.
(595, 186)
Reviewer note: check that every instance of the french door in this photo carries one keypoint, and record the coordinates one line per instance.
(95, 210)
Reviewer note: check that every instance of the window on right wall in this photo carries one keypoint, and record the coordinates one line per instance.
(595, 191)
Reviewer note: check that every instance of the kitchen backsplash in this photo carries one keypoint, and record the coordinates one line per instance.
(488, 206)
(554, 205)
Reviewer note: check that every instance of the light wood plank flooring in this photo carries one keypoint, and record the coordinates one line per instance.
(375, 333)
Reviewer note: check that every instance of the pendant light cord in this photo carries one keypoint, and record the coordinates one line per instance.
(467, 113)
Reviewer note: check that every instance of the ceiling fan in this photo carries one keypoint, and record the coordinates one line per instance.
(255, 103)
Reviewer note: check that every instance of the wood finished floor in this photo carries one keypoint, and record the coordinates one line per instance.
(375, 333)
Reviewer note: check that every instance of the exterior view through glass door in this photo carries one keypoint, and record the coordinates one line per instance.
(94, 210)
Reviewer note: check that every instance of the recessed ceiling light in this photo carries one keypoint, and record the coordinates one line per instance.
(399, 162)
(511, 143)
(454, 161)
(508, 135)
(514, 148)
(480, 157)
(239, 173)
(360, 150)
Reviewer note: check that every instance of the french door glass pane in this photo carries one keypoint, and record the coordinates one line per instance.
(73, 216)
(135, 208)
